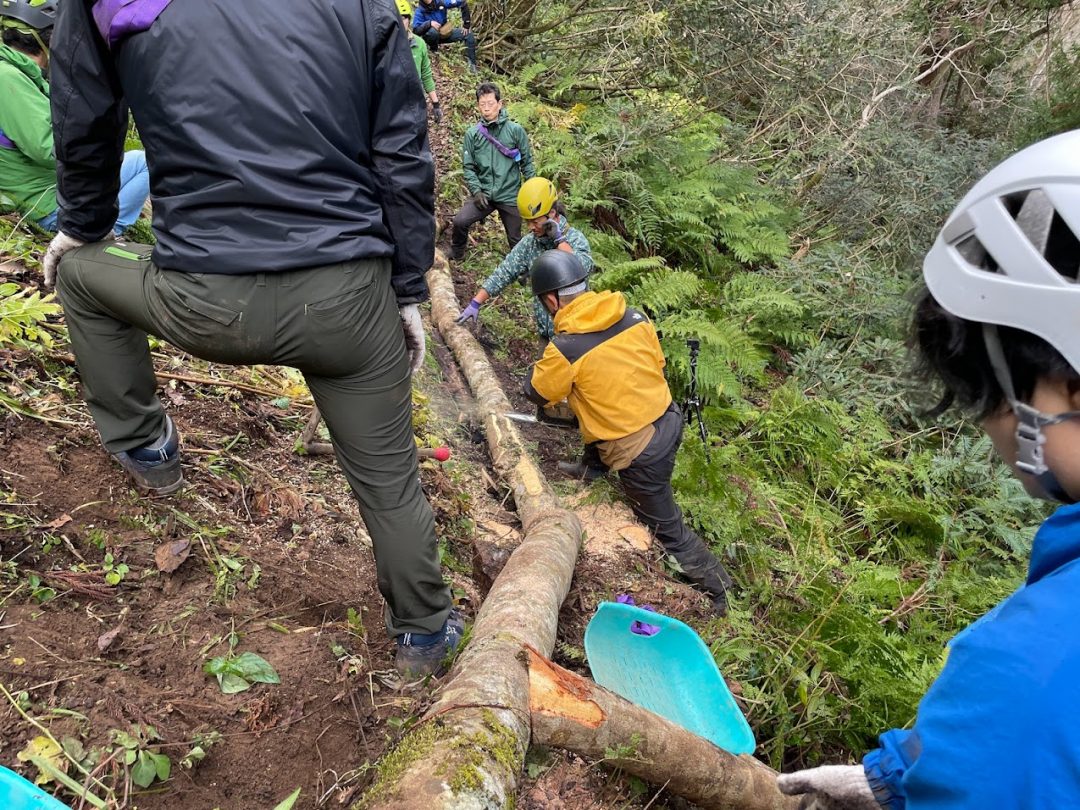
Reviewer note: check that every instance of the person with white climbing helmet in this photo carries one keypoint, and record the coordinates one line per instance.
(996, 329)
(548, 230)
(27, 162)
(422, 59)
(294, 215)
(495, 159)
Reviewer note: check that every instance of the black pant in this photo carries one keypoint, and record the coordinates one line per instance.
(471, 213)
(647, 484)
(433, 39)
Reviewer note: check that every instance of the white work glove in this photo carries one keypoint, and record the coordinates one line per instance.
(413, 327)
(60, 244)
(830, 787)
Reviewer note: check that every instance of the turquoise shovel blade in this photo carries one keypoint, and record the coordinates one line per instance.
(671, 674)
(18, 794)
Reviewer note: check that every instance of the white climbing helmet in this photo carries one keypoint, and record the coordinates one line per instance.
(1010, 252)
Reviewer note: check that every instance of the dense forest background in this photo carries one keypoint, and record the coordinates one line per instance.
(765, 176)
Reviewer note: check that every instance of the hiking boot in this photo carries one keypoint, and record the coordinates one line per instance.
(708, 575)
(155, 468)
(581, 471)
(420, 655)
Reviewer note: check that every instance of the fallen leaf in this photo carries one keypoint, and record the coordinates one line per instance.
(63, 520)
(175, 397)
(42, 750)
(105, 640)
(170, 556)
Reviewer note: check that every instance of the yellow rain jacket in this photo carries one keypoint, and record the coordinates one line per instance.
(605, 359)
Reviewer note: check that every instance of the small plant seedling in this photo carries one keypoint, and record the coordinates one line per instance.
(236, 673)
(115, 571)
(356, 623)
(39, 592)
(144, 765)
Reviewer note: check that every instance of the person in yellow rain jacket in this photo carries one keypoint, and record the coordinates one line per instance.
(606, 361)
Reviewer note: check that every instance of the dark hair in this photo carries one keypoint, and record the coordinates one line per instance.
(488, 88)
(26, 42)
(950, 351)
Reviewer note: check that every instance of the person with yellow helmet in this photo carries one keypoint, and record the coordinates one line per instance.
(548, 230)
(422, 58)
(495, 160)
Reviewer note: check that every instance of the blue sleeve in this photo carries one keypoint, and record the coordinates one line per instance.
(886, 766)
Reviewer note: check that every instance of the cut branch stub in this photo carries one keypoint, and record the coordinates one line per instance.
(573, 713)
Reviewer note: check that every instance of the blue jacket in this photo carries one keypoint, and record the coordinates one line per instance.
(999, 727)
(438, 13)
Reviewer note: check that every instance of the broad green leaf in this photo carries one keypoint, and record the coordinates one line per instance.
(288, 801)
(216, 666)
(231, 683)
(143, 771)
(162, 766)
(254, 668)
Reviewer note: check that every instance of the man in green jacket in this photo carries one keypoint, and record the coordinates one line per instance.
(496, 159)
(548, 230)
(27, 162)
(422, 58)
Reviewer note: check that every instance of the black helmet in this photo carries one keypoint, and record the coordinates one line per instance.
(36, 14)
(553, 270)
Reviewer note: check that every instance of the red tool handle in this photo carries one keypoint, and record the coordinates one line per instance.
(437, 453)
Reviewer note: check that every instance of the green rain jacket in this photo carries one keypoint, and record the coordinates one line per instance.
(489, 170)
(27, 163)
(422, 58)
(520, 259)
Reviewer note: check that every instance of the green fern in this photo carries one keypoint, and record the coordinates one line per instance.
(666, 291)
(21, 314)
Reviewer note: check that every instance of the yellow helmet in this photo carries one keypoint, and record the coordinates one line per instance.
(536, 197)
(404, 9)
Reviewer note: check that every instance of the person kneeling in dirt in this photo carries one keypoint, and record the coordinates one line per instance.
(431, 21)
(995, 332)
(27, 164)
(283, 237)
(548, 229)
(605, 360)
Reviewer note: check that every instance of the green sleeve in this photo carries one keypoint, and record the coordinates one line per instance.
(528, 170)
(468, 163)
(426, 78)
(515, 265)
(26, 119)
(576, 239)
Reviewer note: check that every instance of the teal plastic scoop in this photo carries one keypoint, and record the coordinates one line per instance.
(670, 672)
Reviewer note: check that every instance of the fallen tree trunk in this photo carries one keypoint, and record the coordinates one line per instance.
(469, 750)
(575, 714)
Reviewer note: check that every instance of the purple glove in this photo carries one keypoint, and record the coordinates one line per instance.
(552, 231)
(470, 313)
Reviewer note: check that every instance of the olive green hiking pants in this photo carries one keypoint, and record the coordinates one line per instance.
(338, 324)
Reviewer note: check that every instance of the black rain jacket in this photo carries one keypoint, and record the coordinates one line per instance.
(279, 135)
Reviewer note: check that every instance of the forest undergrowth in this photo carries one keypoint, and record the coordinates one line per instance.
(862, 534)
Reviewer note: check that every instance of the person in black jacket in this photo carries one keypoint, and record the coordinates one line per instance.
(294, 216)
